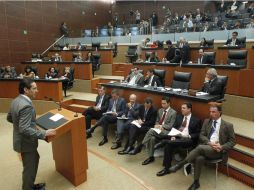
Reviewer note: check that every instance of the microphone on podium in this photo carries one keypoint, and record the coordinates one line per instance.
(57, 103)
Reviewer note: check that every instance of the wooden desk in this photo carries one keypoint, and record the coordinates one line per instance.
(47, 88)
(200, 106)
(83, 70)
(106, 54)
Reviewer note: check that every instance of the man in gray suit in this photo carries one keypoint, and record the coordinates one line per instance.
(217, 137)
(165, 119)
(25, 134)
(135, 77)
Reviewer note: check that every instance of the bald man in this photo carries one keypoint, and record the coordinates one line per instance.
(131, 113)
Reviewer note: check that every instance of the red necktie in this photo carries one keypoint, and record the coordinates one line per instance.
(184, 123)
(163, 117)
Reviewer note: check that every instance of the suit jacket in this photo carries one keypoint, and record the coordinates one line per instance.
(204, 59)
(237, 42)
(120, 106)
(133, 112)
(170, 54)
(139, 80)
(176, 59)
(155, 79)
(194, 126)
(226, 134)
(25, 133)
(169, 119)
(213, 88)
(104, 104)
(150, 118)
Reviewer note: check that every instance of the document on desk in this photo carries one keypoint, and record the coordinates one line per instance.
(136, 123)
(174, 132)
(157, 130)
(56, 117)
(202, 93)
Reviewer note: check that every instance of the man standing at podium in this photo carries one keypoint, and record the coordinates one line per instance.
(25, 134)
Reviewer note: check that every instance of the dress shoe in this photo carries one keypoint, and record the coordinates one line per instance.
(116, 146)
(104, 141)
(88, 135)
(148, 161)
(126, 151)
(174, 168)
(187, 169)
(136, 150)
(163, 172)
(39, 186)
(194, 186)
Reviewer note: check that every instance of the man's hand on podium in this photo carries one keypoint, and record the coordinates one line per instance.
(50, 132)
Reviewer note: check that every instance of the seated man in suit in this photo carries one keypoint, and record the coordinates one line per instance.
(234, 41)
(202, 59)
(96, 111)
(212, 84)
(131, 112)
(151, 79)
(57, 58)
(135, 77)
(115, 109)
(216, 138)
(146, 120)
(165, 119)
(190, 127)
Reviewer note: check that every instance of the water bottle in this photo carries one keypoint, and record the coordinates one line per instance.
(155, 85)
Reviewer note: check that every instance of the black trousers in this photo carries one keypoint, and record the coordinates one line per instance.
(105, 121)
(171, 145)
(30, 161)
(90, 114)
(135, 132)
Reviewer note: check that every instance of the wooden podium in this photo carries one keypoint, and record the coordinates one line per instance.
(69, 147)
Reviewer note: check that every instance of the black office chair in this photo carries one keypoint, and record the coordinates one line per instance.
(96, 63)
(132, 53)
(210, 43)
(210, 57)
(242, 42)
(224, 81)
(181, 80)
(161, 74)
(238, 57)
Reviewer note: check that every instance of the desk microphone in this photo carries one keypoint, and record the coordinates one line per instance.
(57, 103)
(76, 114)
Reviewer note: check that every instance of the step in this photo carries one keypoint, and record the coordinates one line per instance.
(78, 106)
(243, 154)
(241, 172)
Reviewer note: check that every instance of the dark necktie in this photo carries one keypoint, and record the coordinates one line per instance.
(145, 113)
(213, 129)
(184, 123)
(163, 117)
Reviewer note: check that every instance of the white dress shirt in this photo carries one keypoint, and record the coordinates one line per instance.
(215, 136)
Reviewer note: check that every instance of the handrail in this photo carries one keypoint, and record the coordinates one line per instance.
(52, 44)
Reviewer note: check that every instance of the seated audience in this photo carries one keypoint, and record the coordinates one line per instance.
(145, 42)
(234, 41)
(29, 73)
(135, 77)
(56, 58)
(66, 47)
(189, 126)
(203, 43)
(96, 111)
(153, 58)
(217, 137)
(146, 120)
(224, 26)
(212, 84)
(165, 119)
(79, 46)
(78, 58)
(115, 109)
(8, 73)
(202, 58)
(52, 73)
(151, 79)
(130, 114)
(171, 51)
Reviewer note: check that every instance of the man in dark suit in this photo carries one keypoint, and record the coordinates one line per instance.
(123, 123)
(151, 79)
(25, 134)
(95, 112)
(115, 109)
(217, 137)
(190, 127)
(234, 41)
(177, 58)
(135, 77)
(165, 119)
(212, 84)
(203, 58)
(146, 120)
(171, 51)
